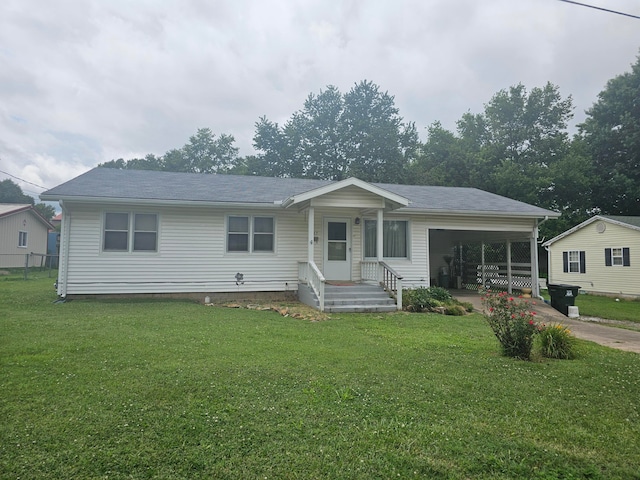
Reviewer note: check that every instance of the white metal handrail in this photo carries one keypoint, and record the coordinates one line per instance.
(309, 272)
(391, 281)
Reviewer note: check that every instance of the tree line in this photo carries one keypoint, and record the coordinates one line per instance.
(519, 147)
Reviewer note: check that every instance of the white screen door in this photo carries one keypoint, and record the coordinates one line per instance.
(337, 249)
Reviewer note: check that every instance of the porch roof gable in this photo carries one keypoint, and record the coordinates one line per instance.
(397, 200)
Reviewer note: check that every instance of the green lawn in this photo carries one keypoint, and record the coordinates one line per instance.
(172, 389)
(606, 307)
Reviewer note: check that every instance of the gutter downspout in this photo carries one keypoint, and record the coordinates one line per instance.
(63, 273)
(536, 291)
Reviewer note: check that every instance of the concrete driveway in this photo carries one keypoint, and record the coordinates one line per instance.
(603, 334)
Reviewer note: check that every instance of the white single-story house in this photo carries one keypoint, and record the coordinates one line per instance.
(23, 231)
(128, 231)
(601, 255)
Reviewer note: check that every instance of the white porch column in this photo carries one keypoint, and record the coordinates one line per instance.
(535, 287)
(509, 275)
(379, 240)
(379, 235)
(311, 229)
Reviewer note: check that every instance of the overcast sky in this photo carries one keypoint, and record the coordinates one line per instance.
(87, 81)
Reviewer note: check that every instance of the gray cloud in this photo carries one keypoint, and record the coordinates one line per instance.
(86, 82)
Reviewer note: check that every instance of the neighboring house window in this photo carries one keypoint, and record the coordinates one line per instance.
(118, 230)
(22, 239)
(394, 238)
(574, 262)
(619, 257)
(250, 234)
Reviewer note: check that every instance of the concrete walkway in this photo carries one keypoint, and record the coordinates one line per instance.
(614, 337)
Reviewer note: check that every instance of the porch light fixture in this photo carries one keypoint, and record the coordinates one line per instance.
(357, 220)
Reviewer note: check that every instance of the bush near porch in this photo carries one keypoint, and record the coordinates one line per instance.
(174, 389)
(435, 300)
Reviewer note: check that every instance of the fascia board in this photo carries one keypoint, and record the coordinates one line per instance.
(150, 201)
(477, 213)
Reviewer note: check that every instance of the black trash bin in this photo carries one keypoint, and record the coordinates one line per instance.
(562, 296)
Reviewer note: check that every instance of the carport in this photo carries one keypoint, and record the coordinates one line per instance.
(473, 259)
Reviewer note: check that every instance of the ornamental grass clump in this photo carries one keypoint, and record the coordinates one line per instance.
(556, 341)
(512, 322)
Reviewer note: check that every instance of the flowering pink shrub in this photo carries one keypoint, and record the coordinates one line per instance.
(512, 322)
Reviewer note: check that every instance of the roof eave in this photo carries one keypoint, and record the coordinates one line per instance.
(151, 201)
(480, 213)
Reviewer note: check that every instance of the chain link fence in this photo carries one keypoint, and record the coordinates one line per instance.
(25, 264)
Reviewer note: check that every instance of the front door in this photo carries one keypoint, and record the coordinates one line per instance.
(337, 249)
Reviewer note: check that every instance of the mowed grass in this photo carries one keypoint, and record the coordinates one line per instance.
(606, 307)
(173, 389)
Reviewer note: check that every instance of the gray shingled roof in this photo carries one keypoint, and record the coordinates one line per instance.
(633, 221)
(107, 183)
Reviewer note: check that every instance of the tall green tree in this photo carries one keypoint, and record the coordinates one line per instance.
(10, 192)
(204, 153)
(611, 132)
(517, 140)
(335, 136)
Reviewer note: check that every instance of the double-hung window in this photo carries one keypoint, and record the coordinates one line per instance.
(617, 257)
(574, 261)
(250, 234)
(135, 232)
(395, 235)
(22, 239)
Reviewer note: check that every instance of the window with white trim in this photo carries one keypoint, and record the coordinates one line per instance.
(250, 234)
(395, 236)
(617, 257)
(22, 239)
(125, 231)
(574, 261)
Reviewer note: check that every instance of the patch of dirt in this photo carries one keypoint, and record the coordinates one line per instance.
(299, 311)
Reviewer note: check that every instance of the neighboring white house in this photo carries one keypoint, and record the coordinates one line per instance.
(601, 255)
(22, 231)
(127, 231)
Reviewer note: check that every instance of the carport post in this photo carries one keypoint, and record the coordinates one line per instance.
(509, 276)
(484, 277)
(535, 287)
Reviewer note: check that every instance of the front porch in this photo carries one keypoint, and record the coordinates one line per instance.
(379, 291)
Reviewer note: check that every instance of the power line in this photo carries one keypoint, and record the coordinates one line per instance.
(23, 180)
(600, 8)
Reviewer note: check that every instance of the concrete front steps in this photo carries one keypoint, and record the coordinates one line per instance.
(351, 298)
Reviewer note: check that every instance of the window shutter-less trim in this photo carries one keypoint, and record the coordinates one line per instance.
(626, 257)
(607, 257)
(583, 262)
(565, 262)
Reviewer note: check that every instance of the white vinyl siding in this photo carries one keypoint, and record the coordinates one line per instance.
(192, 249)
(191, 255)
